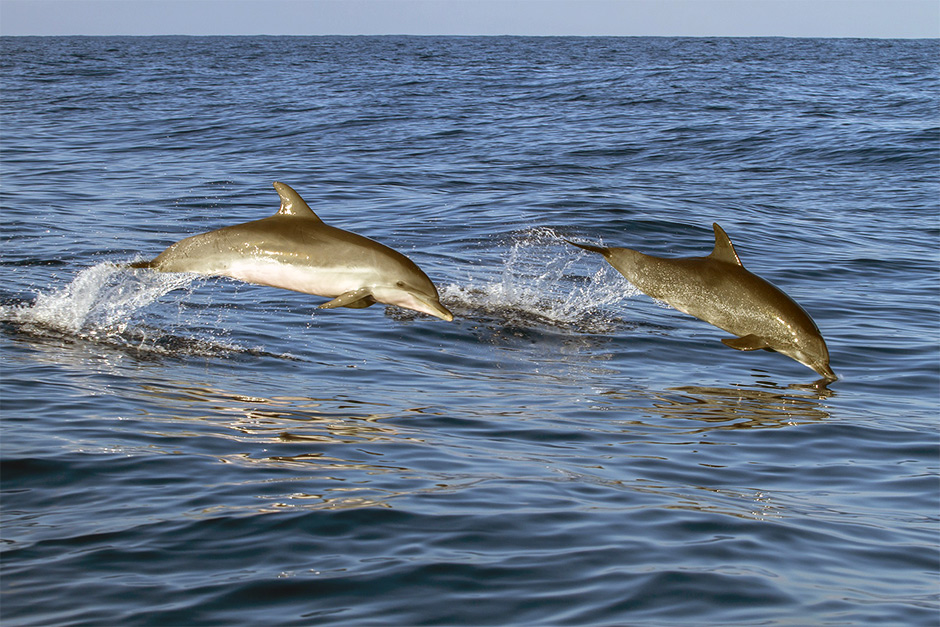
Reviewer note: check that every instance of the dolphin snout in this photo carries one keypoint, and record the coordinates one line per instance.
(438, 310)
(826, 371)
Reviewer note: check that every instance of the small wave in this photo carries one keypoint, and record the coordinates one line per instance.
(542, 284)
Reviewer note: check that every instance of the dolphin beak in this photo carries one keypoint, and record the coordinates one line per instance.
(437, 309)
(827, 372)
(433, 307)
(426, 302)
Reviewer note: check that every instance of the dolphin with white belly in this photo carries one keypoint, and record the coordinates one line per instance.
(720, 291)
(295, 250)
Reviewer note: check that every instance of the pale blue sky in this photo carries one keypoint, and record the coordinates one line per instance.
(790, 18)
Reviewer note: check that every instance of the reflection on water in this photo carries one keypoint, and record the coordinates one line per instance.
(329, 448)
(744, 408)
(282, 419)
(341, 453)
(733, 408)
(334, 450)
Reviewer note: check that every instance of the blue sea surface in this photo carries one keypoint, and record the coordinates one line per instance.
(180, 450)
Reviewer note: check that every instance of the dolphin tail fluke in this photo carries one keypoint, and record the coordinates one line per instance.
(594, 249)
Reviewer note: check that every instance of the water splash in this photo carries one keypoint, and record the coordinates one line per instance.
(103, 304)
(108, 304)
(545, 281)
(99, 302)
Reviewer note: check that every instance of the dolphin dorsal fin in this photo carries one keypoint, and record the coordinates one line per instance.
(724, 249)
(292, 204)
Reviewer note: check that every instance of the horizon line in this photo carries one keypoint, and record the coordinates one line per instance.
(481, 35)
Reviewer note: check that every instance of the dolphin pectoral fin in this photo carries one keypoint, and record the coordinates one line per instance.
(747, 343)
(362, 303)
(356, 299)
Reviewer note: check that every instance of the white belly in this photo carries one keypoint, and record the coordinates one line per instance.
(328, 282)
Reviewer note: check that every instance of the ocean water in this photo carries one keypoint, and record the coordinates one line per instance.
(188, 451)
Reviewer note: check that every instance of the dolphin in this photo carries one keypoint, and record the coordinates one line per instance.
(720, 291)
(295, 250)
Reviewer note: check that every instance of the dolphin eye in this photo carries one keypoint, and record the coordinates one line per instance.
(400, 284)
